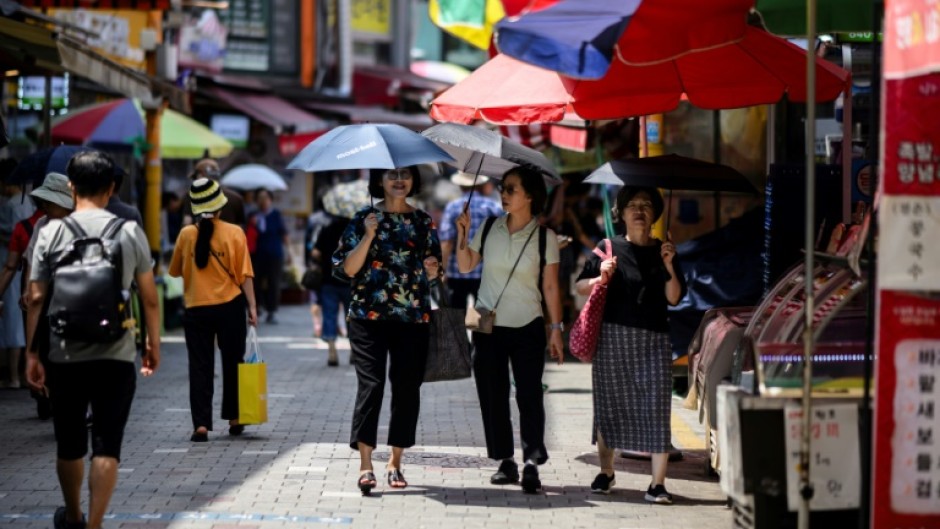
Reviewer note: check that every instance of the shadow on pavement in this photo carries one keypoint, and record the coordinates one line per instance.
(690, 468)
(575, 496)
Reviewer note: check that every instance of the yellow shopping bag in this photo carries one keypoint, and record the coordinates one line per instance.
(252, 384)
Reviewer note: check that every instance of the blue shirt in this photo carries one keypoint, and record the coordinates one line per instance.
(271, 231)
(481, 208)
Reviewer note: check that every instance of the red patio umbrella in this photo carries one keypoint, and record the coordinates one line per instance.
(581, 38)
(758, 69)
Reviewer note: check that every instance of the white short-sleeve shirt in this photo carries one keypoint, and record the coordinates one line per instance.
(522, 301)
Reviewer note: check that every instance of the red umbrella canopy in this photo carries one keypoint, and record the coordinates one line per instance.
(504, 91)
(581, 38)
(758, 69)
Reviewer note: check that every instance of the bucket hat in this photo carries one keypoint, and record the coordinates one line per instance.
(206, 196)
(55, 189)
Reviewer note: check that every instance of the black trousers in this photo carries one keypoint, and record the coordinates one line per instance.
(460, 289)
(267, 281)
(404, 347)
(203, 326)
(524, 349)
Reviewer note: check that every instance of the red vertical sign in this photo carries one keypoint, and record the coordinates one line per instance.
(906, 491)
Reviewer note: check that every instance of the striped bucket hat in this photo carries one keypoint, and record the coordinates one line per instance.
(206, 196)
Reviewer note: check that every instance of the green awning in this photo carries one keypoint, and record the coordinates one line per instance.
(788, 17)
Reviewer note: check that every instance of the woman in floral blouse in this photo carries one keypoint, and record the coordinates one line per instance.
(391, 252)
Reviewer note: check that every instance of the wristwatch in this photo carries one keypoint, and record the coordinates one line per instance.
(560, 326)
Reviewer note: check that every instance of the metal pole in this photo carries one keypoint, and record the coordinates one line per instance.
(401, 34)
(47, 112)
(716, 157)
(865, 415)
(806, 488)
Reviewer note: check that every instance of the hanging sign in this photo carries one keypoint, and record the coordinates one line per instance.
(907, 440)
(912, 42)
(906, 467)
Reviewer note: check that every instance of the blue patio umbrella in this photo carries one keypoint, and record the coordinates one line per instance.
(367, 146)
(34, 168)
(574, 38)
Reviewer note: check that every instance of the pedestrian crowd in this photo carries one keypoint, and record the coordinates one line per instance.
(497, 257)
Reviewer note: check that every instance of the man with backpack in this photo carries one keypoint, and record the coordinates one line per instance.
(81, 271)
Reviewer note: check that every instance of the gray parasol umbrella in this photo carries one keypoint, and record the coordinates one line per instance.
(479, 151)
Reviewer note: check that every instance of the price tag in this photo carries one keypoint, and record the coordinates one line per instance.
(834, 456)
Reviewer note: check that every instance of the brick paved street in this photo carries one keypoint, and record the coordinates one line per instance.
(298, 470)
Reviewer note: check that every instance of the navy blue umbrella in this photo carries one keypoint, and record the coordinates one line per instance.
(367, 146)
(34, 168)
(575, 38)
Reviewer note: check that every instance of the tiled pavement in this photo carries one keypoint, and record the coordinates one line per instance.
(298, 470)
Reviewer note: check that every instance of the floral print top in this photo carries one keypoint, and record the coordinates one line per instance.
(392, 284)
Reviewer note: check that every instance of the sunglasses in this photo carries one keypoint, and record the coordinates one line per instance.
(509, 190)
(398, 174)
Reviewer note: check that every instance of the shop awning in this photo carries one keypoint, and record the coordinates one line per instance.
(38, 48)
(371, 114)
(282, 116)
(384, 85)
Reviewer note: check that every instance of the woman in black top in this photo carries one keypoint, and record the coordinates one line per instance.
(632, 369)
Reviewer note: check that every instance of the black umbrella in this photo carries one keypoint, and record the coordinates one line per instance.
(671, 171)
(34, 168)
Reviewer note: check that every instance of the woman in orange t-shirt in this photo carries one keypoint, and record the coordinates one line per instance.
(212, 258)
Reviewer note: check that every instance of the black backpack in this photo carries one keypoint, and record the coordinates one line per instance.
(88, 301)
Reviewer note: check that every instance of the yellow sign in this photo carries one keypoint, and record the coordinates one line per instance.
(114, 33)
(372, 16)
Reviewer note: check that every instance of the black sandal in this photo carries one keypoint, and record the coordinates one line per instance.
(199, 437)
(395, 475)
(366, 482)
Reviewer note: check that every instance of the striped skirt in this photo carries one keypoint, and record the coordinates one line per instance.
(632, 376)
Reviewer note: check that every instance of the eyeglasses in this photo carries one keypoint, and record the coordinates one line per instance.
(637, 206)
(398, 174)
(509, 190)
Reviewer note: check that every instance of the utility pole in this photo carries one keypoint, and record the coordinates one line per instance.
(153, 168)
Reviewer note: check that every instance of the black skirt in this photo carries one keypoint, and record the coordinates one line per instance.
(632, 376)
